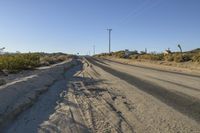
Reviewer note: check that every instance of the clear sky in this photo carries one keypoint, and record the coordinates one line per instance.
(73, 26)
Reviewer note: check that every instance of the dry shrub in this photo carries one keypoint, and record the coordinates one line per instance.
(154, 57)
(47, 60)
(134, 57)
(196, 57)
(62, 58)
(52, 59)
(179, 57)
(193, 55)
(119, 54)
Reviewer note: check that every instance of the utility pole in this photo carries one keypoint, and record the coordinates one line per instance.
(93, 49)
(109, 30)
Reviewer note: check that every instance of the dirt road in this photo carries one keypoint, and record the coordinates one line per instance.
(103, 96)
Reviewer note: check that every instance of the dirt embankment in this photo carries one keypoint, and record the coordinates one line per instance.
(23, 89)
(188, 67)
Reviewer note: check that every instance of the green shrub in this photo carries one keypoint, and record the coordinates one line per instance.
(18, 62)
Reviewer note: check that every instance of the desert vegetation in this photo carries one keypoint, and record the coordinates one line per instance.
(23, 61)
(192, 56)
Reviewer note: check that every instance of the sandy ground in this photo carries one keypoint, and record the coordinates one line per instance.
(103, 96)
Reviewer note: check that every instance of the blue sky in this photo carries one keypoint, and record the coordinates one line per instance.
(73, 26)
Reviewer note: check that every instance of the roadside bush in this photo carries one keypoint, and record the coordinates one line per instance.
(61, 58)
(52, 59)
(196, 58)
(47, 60)
(178, 57)
(151, 57)
(119, 54)
(18, 62)
(193, 56)
(169, 57)
(134, 57)
(187, 57)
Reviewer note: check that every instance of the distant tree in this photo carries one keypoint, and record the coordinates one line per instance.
(180, 48)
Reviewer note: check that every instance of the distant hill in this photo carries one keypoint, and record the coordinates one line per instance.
(197, 50)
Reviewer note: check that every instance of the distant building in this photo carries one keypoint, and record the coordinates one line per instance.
(168, 51)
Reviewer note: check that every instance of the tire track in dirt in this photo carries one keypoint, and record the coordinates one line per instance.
(97, 103)
(98, 107)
